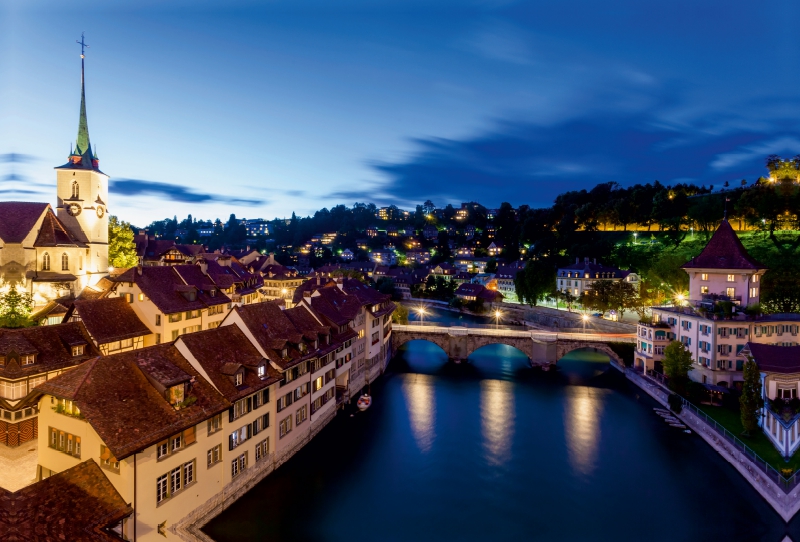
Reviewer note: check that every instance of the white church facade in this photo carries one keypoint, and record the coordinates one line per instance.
(55, 253)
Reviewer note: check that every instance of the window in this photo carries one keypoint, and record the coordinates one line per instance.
(158, 319)
(161, 488)
(188, 473)
(214, 455)
(703, 289)
(175, 334)
(317, 384)
(237, 379)
(262, 449)
(191, 315)
(214, 424)
(107, 460)
(65, 442)
(284, 401)
(45, 262)
(28, 359)
(301, 415)
(787, 393)
(262, 371)
(129, 297)
(239, 436)
(158, 338)
(238, 465)
(141, 297)
(78, 350)
(175, 317)
(64, 262)
(731, 278)
(753, 292)
(730, 292)
(703, 276)
(177, 443)
(285, 426)
(755, 278)
(162, 449)
(75, 190)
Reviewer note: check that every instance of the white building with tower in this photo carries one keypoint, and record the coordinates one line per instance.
(56, 253)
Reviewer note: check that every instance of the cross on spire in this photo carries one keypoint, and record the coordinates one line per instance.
(83, 45)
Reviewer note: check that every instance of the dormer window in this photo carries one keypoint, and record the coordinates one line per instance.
(262, 371)
(237, 379)
(284, 353)
(78, 350)
(26, 359)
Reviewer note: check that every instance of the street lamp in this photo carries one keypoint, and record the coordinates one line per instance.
(635, 235)
(421, 312)
(496, 319)
(584, 317)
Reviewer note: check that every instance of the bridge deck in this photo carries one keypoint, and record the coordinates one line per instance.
(543, 336)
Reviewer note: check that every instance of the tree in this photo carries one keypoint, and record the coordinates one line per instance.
(491, 266)
(677, 362)
(535, 282)
(750, 401)
(400, 314)
(15, 309)
(121, 247)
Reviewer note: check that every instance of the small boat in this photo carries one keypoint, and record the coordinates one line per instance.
(364, 402)
(687, 431)
(678, 425)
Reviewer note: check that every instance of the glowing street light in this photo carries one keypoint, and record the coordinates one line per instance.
(497, 315)
(421, 312)
(585, 318)
(635, 235)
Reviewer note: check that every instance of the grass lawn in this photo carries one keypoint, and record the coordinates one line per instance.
(759, 442)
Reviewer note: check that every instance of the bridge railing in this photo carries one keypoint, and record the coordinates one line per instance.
(466, 325)
(547, 336)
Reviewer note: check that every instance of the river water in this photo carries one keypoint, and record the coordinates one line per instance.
(493, 450)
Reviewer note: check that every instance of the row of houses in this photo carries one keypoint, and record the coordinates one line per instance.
(175, 426)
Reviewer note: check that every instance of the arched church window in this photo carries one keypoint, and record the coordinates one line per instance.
(75, 191)
(45, 262)
(64, 262)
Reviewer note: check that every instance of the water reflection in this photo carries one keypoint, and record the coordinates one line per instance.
(497, 419)
(419, 394)
(584, 406)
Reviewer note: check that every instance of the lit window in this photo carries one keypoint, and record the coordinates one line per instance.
(703, 289)
(45, 262)
(237, 379)
(78, 350)
(703, 276)
(26, 359)
(64, 262)
(730, 292)
(141, 297)
(731, 278)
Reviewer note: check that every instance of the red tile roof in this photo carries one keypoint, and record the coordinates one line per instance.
(52, 346)
(775, 359)
(78, 504)
(162, 285)
(108, 319)
(221, 352)
(116, 396)
(17, 219)
(724, 251)
(52, 233)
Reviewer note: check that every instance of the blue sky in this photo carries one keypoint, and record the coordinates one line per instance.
(264, 108)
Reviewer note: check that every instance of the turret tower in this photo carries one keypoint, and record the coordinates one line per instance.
(82, 191)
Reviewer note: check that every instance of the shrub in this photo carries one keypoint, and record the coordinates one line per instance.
(675, 403)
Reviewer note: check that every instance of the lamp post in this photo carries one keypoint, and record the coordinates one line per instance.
(421, 312)
(584, 318)
(496, 319)
(635, 235)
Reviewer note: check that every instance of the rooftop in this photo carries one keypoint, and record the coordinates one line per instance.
(724, 251)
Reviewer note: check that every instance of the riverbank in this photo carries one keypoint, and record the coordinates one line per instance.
(786, 502)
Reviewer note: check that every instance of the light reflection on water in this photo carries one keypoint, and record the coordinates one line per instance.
(419, 393)
(582, 413)
(497, 419)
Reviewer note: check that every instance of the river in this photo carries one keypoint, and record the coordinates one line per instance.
(494, 450)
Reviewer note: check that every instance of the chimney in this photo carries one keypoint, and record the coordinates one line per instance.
(318, 280)
(139, 268)
(595, 260)
(586, 260)
(577, 260)
(203, 265)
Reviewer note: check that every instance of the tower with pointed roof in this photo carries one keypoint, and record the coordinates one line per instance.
(82, 191)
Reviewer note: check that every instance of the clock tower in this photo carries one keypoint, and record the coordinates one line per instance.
(82, 191)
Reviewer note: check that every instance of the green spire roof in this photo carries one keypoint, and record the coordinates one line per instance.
(83, 127)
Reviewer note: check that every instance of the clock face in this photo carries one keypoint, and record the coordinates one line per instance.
(74, 209)
(100, 211)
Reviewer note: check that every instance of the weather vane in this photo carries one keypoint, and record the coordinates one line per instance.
(83, 45)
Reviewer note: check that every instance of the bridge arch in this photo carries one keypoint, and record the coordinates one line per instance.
(475, 343)
(441, 342)
(565, 347)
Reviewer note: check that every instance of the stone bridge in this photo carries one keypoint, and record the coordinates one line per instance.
(543, 348)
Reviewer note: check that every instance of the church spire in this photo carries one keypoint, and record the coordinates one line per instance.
(82, 143)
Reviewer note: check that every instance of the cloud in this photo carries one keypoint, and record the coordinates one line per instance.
(174, 192)
(526, 162)
(16, 158)
(296, 193)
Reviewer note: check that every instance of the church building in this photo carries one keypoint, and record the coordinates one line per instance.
(56, 253)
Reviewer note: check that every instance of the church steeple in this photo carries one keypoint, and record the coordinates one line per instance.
(82, 156)
(82, 143)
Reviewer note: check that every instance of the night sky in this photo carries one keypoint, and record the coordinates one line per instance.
(264, 108)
